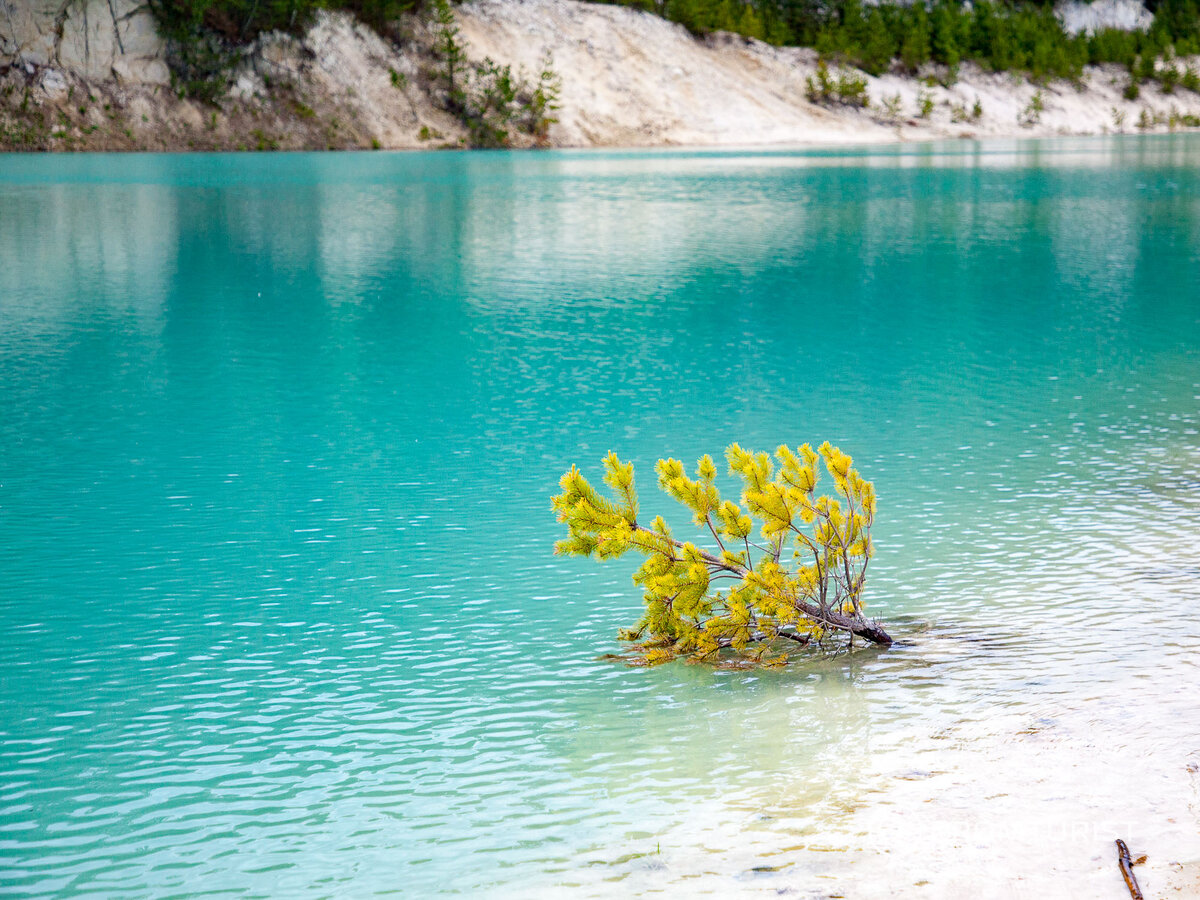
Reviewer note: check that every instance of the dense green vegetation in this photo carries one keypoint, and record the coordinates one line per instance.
(241, 21)
(797, 578)
(996, 34)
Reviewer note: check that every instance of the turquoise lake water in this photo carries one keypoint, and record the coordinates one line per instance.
(279, 615)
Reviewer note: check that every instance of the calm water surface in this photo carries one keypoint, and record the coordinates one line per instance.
(278, 611)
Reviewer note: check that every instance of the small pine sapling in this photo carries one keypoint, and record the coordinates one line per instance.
(797, 578)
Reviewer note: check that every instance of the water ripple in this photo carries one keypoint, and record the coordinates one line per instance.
(279, 613)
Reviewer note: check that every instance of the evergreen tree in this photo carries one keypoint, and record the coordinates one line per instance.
(945, 30)
(914, 43)
(450, 51)
(750, 23)
(878, 47)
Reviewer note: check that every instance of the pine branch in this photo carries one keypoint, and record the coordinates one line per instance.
(688, 615)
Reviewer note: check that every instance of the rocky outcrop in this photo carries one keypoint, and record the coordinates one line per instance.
(96, 40)
(76, 81)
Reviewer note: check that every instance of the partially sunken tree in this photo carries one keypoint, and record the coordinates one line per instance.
(799, 580)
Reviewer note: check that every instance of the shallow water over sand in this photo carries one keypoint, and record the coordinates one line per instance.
(278, 613)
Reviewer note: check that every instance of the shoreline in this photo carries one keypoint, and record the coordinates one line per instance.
(843, 152)
(629, 80)
(989, 145)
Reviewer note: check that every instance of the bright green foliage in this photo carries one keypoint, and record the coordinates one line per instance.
(783, 565)
(1032, 113)
(497, 100)
(924, 105)
(535, 113)
(845, 87)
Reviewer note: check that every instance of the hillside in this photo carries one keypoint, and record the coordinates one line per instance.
(93, 76)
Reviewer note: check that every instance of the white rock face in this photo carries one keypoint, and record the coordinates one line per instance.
(54, 83)
(628, 79)
(95, 40)
(1125, 15)
(27, 30)
(633, 79)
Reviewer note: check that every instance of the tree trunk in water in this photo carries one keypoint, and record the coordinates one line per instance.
(872, 632)
(856, 625)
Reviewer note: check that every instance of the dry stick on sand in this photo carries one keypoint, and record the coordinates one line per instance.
(1127, 864)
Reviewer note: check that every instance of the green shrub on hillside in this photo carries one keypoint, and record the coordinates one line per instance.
(488, 98)
(1032, 113)
(846, 87)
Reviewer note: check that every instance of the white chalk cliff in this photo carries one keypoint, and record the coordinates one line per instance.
(92, 74)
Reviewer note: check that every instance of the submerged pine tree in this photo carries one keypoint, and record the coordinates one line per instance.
(798, 578)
